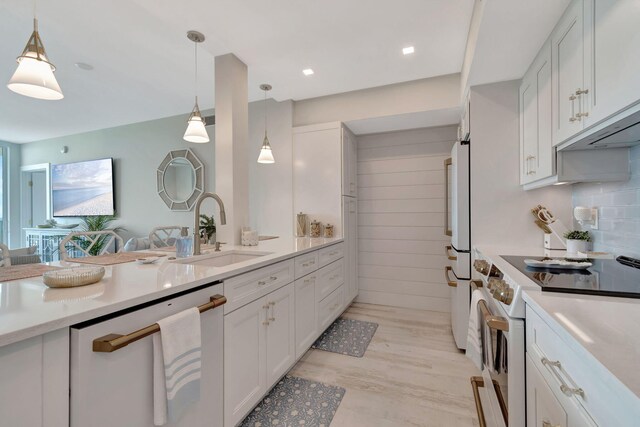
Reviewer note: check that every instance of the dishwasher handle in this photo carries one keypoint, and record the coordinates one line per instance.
(112, 342)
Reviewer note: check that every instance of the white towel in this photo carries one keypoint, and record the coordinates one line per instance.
(474, 334)
(176, 365)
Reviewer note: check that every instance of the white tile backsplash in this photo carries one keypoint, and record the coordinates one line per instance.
(618, 204)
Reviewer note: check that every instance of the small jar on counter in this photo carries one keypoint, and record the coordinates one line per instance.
(315, 230)
(328, 231)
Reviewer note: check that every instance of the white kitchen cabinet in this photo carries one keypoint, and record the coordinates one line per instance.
(350, 219)
(349, 164)
(34, 381)
(537, 155)
(612, 49)
(317, 173)
(330, 308)
(259, 347)
(245, 360)
(568, 62)
(543, 409)
(281, 351)
(329, 278)
(306, 313)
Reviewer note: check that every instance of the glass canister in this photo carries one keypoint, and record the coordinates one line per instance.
(328, 231)
(316, 229)
(301, 225)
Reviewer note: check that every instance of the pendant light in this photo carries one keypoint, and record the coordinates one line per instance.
(196, 131)
(266, 155)
(34, 76)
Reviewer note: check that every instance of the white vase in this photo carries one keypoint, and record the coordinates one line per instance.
(575, 246)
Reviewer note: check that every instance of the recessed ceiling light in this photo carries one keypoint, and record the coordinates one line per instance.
(408, 50)
(307, 71)
(84, 66)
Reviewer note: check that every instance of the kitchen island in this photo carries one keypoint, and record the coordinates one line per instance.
(35, 321)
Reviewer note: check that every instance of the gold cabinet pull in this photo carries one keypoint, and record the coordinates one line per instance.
(451, 283)
(555, 366)
(449, 256)
(112, 342)
(476, 284)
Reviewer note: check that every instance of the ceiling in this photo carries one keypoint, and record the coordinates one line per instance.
(143, 62)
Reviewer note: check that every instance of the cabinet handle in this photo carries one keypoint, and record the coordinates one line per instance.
(264, 282)
(266, 307)
(333, 253)
(579, 93)
(546, 423)
(307, 264)
(451, 283)
(272, 304)
(532, 171)
(555, 367)
(113, 342)
(449, 256)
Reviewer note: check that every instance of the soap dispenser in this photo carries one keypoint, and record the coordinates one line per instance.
(184, 244)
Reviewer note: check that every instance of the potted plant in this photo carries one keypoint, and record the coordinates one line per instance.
(208, 229)
(577, 241)
(96, 223)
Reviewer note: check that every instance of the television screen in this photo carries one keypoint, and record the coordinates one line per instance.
(83, 188)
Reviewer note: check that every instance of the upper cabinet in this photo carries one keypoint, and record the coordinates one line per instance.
(612, 53)
(595, 64)
(567, 42)
(537, 159)
(464, 130)
(349, 164)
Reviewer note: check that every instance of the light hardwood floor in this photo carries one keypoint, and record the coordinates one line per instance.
(411, 375)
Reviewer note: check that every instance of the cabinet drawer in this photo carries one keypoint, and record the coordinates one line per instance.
(305, 264)
(330, 308)
(247, 287)
(329, 278)
(330, 254)
(577, 379)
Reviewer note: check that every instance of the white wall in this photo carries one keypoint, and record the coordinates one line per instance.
(435, 93)
(500, 209)
(618, 205)
(270, 185)
(137, 150)
(401, 218)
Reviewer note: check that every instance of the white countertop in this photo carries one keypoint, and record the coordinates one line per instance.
(606, 329)
(29, 308)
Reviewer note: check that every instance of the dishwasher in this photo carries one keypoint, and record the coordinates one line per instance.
(112, 363)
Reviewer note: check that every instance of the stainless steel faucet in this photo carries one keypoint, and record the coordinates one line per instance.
(196, 229)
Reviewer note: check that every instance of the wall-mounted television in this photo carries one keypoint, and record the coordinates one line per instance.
(83, 188)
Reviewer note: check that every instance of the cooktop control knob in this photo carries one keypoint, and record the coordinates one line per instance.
(481, 266)
(505, 295)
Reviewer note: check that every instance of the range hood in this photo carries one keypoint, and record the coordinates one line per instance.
(612, 133)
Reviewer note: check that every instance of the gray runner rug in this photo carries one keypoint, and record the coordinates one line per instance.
(297, 402)
(347, 336)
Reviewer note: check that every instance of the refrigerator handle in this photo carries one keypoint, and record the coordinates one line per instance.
(447, 226)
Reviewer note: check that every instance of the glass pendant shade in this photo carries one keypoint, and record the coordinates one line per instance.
(34, 76)
(266, 155)
(196, 131)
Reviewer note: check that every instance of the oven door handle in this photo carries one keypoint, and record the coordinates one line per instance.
(476, 383)
(494, 322)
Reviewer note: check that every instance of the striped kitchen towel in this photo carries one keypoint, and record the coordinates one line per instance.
(176, 365)
(474, 332)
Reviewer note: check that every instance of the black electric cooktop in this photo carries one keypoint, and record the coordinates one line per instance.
(618, 278)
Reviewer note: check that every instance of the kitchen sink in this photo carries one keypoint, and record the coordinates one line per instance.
(222, 259)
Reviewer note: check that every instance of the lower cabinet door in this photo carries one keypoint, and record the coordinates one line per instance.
(306, 313)
(543, 409)
(245, 379)
(281, 353)
(330, 308)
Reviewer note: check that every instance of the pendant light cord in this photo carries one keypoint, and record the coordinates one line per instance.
(195, 84)
(265, 113)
